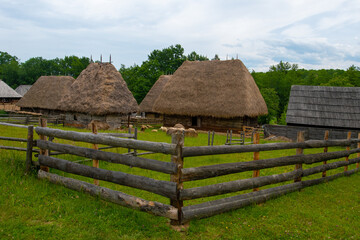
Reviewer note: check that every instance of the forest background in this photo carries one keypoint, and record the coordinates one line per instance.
(275, 84)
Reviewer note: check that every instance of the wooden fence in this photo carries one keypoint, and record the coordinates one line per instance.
(174, 189)
(28, 119)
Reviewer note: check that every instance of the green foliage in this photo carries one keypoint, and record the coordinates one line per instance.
(272, 102)
(166, 61)
(15, 73)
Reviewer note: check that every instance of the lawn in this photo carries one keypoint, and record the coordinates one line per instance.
(36, 209)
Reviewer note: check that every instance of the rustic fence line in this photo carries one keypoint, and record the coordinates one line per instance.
(29, 119)
(174, 189)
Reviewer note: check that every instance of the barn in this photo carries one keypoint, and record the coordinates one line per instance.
(44, 96)
(314, 109)
(146, 106)
(99, 93)
(8, 97)
(211, 95)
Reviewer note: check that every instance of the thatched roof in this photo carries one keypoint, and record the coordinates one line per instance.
(324, 106)
(223, 89)
(22, 89)
(7, 92)
(99, 90)
(148, 102)
(46, 92)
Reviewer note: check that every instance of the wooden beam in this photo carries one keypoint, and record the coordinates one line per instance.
(113, 196)
(45, 152)
(95, 147)
(347, 148)
(326, 137)
(13, 139)
(129, 160)
(29, 148)
(238, 185)
(12, 125)
(329, 166)
(164, 188)
(226, 149)
(197, 173)
(256, 173)
(299, 151)
(358, 145)
(165, 148)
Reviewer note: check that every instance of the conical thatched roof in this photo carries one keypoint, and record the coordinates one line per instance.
(99, 90)
(46, 92)
(22, 89)
(148, 102)
(7, 92)
(223, 89)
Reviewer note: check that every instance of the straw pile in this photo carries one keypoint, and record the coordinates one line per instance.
(99, 90)
(46, 92)
(223, 89)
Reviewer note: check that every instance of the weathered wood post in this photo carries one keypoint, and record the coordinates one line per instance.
(256, 173)
(43, 123)
(212, 138)
(29, 147)
(358, 145)
(177, 138)
(209, 138)
(129, 131)
(347, 149)
(299, 151)
(135, 137)
(96, 147)
(326, 137)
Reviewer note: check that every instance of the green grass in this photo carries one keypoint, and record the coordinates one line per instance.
(36, 209)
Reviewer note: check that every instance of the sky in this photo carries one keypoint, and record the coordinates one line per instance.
(313, 34)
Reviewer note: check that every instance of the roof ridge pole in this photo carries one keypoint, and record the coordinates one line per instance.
(101, 58)
(110, 58)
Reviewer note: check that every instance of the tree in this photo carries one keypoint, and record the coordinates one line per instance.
(216, 57)
(272, 102)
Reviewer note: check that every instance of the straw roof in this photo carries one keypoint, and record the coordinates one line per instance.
(223, 89)
(46, 92)
(22, 89)
(99, 90)
(7, 92)
(147, 103)
(324, 106)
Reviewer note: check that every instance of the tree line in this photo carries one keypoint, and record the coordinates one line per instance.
(274, 85)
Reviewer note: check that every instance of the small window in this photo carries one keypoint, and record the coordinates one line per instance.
(75, 118)
(157, 115)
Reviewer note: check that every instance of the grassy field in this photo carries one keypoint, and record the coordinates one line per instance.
(36, 209)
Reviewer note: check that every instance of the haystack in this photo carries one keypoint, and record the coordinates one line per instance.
(44, 96)
(211, 95)
(146, 106)
(22, 89)
(98, 94)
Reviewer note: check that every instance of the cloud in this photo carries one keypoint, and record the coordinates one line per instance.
(315, 34)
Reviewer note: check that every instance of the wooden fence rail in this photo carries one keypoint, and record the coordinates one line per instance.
(174, 189)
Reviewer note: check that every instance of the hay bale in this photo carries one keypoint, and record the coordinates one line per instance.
(164, 129)
(154, 130)
(143, 128)
(191, 132)
(178, 125)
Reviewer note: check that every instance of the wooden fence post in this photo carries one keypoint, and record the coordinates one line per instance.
(29, 147)
(212, 139)
(177, 138)
(347, 149)
(326, 137)
(299, 151)
(129, 150)
(358, 155)
(209, 138)
(256, 173)
(43, 123)
(95, 146)
(135, 137)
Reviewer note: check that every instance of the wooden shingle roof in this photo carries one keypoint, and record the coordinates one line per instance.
(324, 106)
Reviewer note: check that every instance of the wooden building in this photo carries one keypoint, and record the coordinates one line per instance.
(146, 106)
(22, 89)
(8, 97)
(44, 96)
(315, 109)
(99, 93)
(213, 95)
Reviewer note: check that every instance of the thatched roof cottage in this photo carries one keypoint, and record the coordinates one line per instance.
(8, 97)
(22, 89)
(7, 94)
(315, 109)
(146, 106)
(99, 93)
(44, 96)
(215, 95)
